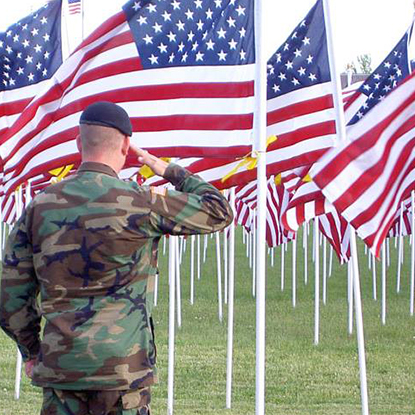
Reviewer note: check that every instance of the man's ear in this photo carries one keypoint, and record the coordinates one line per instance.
(125, 146)
(79, 143)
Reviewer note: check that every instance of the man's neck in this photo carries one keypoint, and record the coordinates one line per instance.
(103, 160)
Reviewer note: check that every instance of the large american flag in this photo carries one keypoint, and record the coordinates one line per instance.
(300, 101)
(183, 70)
(30, 53)
(393, 70)
(367, 179)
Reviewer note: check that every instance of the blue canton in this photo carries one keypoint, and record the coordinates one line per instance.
(302, 60)
(385, 78)
(172, 33)
(30, 50)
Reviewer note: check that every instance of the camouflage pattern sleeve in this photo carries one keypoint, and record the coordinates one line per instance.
(194, 207)
(19, 313)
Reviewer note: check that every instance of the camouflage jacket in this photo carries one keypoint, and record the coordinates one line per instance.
(87, 247)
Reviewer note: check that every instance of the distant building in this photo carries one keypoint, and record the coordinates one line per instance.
(356, 77)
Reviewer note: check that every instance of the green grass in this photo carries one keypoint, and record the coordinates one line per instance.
(301, 378)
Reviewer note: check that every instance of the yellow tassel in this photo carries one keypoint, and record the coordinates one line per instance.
(271, 139)
(278, 179)
(307, 178)
(248, 161)
(61, 172)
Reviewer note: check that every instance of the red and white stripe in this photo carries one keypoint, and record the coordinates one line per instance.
(277, 198)
(367, 179)
(337, 231)
(306, 203)
(304, 123)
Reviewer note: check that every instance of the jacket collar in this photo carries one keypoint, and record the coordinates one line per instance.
(97, 167)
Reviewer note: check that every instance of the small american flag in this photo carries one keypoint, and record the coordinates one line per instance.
(74, 6)
(394, 69)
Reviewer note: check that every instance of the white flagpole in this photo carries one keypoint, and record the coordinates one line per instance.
(251, 244)
(359, 326)
(172, 277)
(260, 122)
(231, 275)
(383, 311)
(254, 258)
(205, 244)
(400, 250)
(19, 360)
(341, 132)
(411, 302)
(388, 257)
(192, 269)
(305, 243)
(247, 238)
(331, 261)
(178, 287)
(219, 275)
(18, 377)
(374, 282)
(198, 257)
(294, 267)
(282, 265)
(317, 284)
(324, 271)
(369, 262)
(335, 78)
(350, 296)
(225, 265)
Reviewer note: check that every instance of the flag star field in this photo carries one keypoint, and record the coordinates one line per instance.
(28, 49)
(302, 60)
(196, 32)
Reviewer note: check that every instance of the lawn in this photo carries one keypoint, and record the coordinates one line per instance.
(301, 378)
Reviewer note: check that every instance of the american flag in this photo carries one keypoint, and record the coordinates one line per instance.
(300, 102)
(393, 69)
(402, 222)
(277, 198)
(183, 70)
(30, 53)
(337, 231)
(74, 6)
(308, 202)
(300, 108)
(367, 179)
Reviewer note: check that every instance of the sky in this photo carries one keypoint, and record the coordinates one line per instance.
(359, 26)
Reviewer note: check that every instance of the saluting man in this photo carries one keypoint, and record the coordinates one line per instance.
(83, 256)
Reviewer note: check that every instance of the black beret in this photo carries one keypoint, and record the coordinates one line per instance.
(107, 114)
